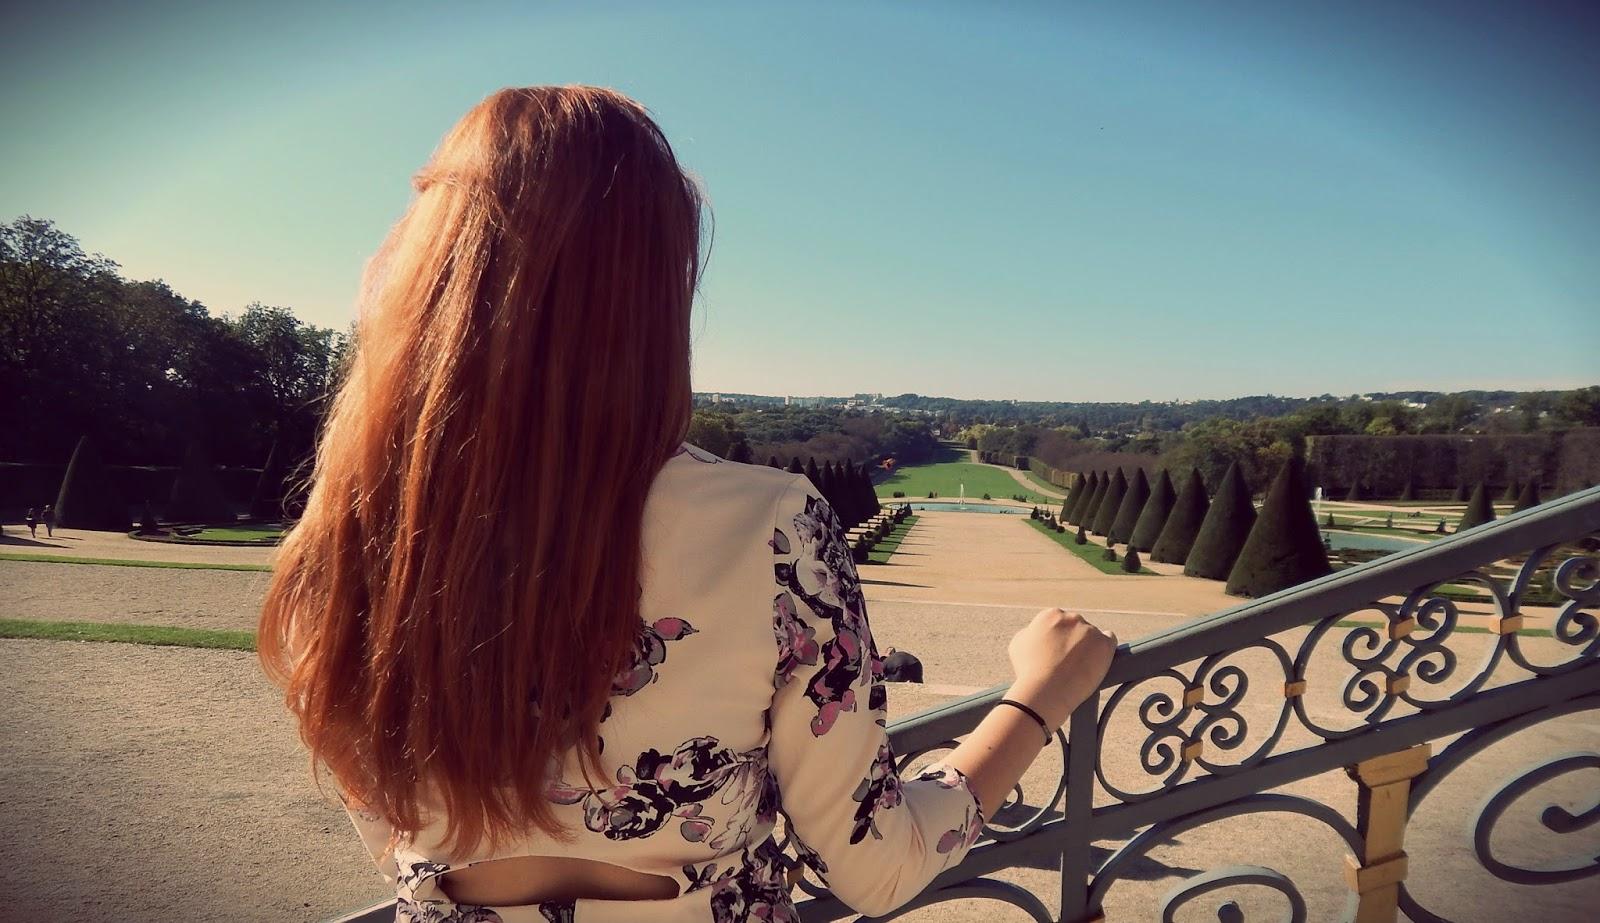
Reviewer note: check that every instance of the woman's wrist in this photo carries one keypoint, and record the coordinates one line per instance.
(1050, 706)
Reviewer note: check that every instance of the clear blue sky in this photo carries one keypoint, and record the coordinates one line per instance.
(1035, 201)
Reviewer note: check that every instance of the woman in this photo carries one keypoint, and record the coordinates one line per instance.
(560, 665)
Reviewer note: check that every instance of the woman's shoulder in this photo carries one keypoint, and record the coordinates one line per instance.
(698, 481)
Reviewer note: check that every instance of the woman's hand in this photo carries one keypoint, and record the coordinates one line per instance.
(1060, 659)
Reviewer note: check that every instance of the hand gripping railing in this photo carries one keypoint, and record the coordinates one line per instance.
(1403, 685)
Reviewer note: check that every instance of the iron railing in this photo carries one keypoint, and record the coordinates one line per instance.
(1403, 685)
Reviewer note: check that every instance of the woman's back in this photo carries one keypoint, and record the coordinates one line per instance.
(754, 688)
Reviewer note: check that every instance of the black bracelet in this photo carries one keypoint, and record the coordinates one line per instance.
(1034, 715)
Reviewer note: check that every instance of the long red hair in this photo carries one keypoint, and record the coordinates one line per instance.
(447, 617)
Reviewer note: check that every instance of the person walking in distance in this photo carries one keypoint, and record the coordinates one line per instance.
(32, 519)
(49, 517)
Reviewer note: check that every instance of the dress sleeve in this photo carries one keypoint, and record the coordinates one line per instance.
(875, 839)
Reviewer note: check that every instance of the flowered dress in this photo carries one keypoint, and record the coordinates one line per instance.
(755, 689)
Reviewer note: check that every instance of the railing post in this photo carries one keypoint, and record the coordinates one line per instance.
(1077, 809)
(1382, 811)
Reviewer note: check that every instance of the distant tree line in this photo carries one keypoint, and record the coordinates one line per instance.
(142, 370)
(755, 434)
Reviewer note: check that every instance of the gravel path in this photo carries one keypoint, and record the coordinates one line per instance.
(138, 595)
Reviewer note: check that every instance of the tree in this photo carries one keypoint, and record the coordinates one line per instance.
(1284, 548)
(1189, 510)
(1461, 494)
(1356, 492)
(1410, 491)
(1154, 515)
(1081, 501)
(1106, 513)
(1479, 510)
(869, 495)
(813, 472)
(1072, 495)
(1222, 535)
(88, 499)
(196, 495)
(1529, 498)
(1133, 501)
(1512, 492)
(772, 462)
(794, 466)
(1130, 561)
(740, 452)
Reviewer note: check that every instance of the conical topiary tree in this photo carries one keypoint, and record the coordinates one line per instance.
(1461, 494)
(1154, 515)
(1529, 498)
(869, 494)
(1106, 513)
(828, 485)
(1479, 510)
(1513, 490)
(1101, 481)
(1071, 497)
(1223, 534)
(88, 499)
(813, 472)
(1356, 491)
(196, 494)
(1285, 547)
(1081, 502)
(1410, 490)
(1130, 561)
(1132, 505)
(741, 453)
(1082, 538)
(772, 462)
(266, 501)
(794, 466)
(1189, 510)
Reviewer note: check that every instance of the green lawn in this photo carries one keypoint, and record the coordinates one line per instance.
(263, 534)
(124, 562)
(1089, 552)
(882, 551)
(156, 635)
(946, 478)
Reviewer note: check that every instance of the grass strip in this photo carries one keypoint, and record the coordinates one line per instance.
(153, 635)
(1035, 478)
(1090, 552)
(881, 552)
(124, 562)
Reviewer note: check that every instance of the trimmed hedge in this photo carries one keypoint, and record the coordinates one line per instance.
(1106, 513)
(1285, 547)
(1154, 515)
(1132, 505)
(88, 499)
(1479, 510)
(1086, 493)
(1189, 510)
(1223, 534)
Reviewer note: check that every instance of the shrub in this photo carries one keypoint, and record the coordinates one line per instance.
(1082, 496)
(1528, 499)
(1284, 548)
(1110, 554)
(932, 494)
(88, 498)
(147, 521)
(1410, 491)
(1082, 538)
(1356, 492)
(987, 497)
(1461, 494)
(1388, 522)
(1479, 510)
(1183, 524)
(1106, 514)
(1513, 490)
(1439, 529)
(1329, 522)
(772, 462)
(1127, 515)
(1226, 527)
(1130, 561)
(899, 493)
(794, 466)
(1154, 515)
(1060, 528)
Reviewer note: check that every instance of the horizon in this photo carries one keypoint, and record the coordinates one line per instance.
(1084, 205)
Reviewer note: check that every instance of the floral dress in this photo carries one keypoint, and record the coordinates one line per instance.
(755, 689)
